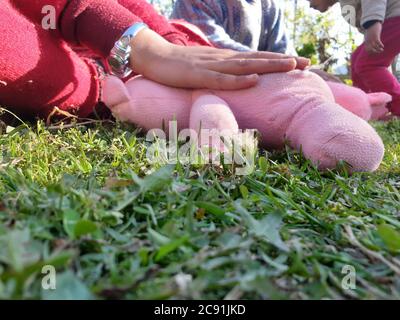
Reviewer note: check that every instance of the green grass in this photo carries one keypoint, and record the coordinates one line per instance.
(86, 201)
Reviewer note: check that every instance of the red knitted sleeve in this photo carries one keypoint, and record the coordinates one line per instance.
(97, 24)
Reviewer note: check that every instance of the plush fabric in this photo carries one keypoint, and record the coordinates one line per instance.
(297, 107)
(368, 106)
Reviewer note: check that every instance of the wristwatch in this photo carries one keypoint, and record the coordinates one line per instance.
(119, 63)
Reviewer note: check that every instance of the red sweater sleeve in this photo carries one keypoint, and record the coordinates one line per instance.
(97, 24)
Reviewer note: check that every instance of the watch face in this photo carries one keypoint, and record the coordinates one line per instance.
(125, 41)
(114, 63)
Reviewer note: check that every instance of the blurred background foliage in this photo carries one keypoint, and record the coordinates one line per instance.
(324, 38)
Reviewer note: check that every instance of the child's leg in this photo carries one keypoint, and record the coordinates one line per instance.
(39, 71)
(373, 69)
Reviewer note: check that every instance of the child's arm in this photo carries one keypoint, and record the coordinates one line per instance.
(208, 16)
(373, 10)
(275, 29)
(82, 21)
(373, 42)
(373, 15)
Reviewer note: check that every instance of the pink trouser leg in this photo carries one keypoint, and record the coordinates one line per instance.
(355, 77)
(373, 68)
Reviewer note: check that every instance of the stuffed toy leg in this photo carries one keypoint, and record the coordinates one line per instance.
(368, 106)
(297, 108)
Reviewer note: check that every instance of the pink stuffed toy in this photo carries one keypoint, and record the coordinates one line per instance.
(297, 107)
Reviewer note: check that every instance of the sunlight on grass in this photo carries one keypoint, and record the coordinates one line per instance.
(82, 199)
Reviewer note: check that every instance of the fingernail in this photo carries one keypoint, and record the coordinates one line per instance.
(291, 62)
(306, 60)
(252, 77)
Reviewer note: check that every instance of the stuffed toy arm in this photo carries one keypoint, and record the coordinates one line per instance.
(147, 104)
(154, 106)
(379, 102)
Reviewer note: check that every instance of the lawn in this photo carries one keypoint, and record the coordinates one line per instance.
(86, 201)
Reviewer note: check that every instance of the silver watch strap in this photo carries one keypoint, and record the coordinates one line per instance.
(119, 63)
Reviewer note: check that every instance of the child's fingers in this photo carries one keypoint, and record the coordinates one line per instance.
(378, 47)
(301, 62)
(220, 81)
(369, 48)
(200, 78)
(250, 66)
(375, 47)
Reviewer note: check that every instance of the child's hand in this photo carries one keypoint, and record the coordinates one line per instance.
(373, 43)
(204, 67)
